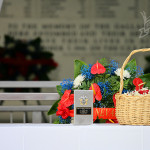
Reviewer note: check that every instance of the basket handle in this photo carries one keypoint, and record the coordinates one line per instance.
(125, 63)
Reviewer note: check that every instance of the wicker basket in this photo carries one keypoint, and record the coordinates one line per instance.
(132, 110)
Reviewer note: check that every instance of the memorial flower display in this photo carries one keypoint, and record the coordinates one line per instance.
(25, 60)
(103, 78)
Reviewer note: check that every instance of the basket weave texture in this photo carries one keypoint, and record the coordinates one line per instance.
(132, 110)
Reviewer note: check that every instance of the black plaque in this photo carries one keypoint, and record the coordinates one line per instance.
(83, 110)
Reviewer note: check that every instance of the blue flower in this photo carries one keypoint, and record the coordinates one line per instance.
(66, 84)
(98, 105)
(139, 71)
(105, 89)
(64, 121)
(72, 106)
(124, 91)
(86, 71)
(113, 66)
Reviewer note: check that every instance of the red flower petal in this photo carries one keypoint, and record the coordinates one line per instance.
(63, 111)
(71, 113)
(98, 68)
(114, 99)
(143, 91)
(96, 92)
(98, 95)
(67, 99)
(137, 82)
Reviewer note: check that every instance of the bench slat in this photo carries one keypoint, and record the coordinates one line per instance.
(29, 84)
(24, 108)
(29, 96)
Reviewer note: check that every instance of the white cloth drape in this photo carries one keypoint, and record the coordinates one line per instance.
(71, 137)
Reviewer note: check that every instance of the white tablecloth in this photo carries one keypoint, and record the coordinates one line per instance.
(70, 137)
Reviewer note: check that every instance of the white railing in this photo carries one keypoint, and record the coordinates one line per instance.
(36, 110)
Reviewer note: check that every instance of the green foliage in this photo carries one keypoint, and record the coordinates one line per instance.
(59, 90)
(115, 83)
(77, 67)
(56, 121)
(132, 66)
(88, 84)
(146, 78)
(53, 109)
(104, 62)
(100, 121)
(83, 86)
(126, 84)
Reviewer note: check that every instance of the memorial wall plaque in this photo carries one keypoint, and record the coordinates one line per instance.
(83, 29)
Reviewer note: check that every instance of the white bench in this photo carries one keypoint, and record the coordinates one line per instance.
(36, 110)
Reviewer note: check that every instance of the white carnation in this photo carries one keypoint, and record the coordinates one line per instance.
(126, 74)
(78, 80)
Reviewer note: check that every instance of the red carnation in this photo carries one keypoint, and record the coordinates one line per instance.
(98, 68)
(67, 99)
(63, 112)
(138, 83)
(96, 92)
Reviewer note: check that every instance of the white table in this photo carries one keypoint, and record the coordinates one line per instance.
(70, 137)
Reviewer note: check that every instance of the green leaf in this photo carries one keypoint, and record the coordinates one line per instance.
(83, 86)
(103, 61)
(59, 88)
(146, 78)
(126, 83)
(88, 84)
(77, 67)
(53, 109)
(56, 121)
(107, 76)
(105, 91)
(131, 65)
(92, 81)
(114, 82)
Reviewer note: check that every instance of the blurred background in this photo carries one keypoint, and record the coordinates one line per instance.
(40, 39)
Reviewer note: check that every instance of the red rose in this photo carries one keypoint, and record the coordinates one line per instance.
(98, 68)
(63, 112)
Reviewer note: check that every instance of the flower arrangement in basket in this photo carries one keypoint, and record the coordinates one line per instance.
(133, 108)
(104, 79)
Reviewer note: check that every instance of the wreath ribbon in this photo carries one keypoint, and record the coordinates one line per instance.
(101, 113)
